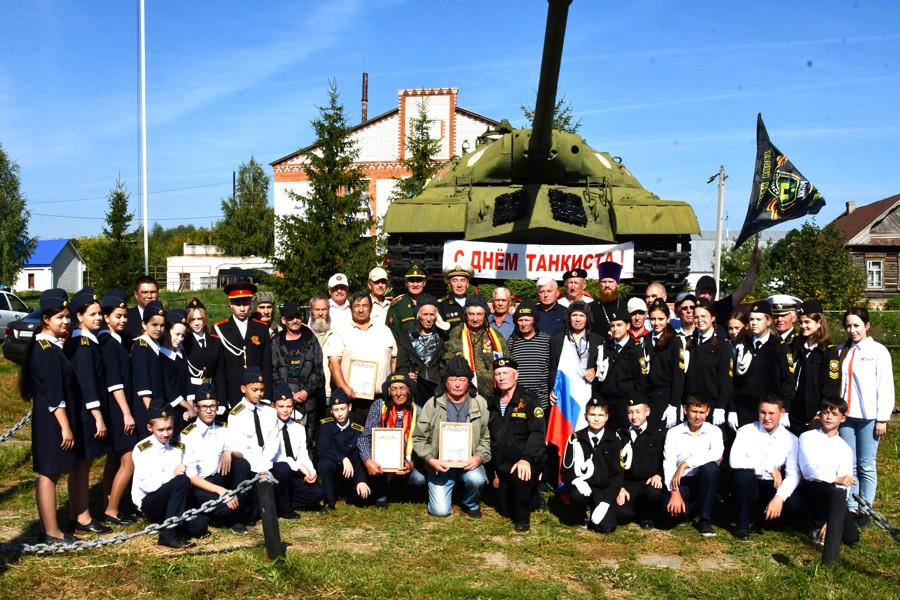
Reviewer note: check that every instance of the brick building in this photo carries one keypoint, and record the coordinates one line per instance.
(381, 142)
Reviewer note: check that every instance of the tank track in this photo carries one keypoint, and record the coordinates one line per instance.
(657, 258)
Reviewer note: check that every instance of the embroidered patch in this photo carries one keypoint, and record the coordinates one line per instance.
(236, 409)
(643, 365)
(517, 415)
(255, 340)
(357, 426)
(730, 368)
(189, 429)
(390, 320)
(178, 445)
(145, 445)
(834, 369)
(539, 412)
(44, 344)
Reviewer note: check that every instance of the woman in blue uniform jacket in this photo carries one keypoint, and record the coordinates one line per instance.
(91, 440)
(709, 365)
(146, 367)
(818, 369)
(175, 370)
(119, 466)
(48, 381)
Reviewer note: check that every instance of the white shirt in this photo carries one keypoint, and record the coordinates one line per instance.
(872, 388)
(824, 458)
(379, 310)
(203, 447)
(241, 325)
(242, 434)
(757, 449)
(340, 314)
(154, 466)
(375, 344)
(696, 450)
(297, 433)
(172, 355)
(564, 301)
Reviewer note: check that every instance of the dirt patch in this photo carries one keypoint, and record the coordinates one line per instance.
(661, 560)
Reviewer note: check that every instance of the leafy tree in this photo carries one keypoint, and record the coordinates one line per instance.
(330, 233)
(813, 262)
(247, 227)
(563, 118)
(736, 263)
(16, 247)
(117, 260)
(420, 150)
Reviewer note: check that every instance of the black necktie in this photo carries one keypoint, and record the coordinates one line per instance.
(288, 449)
(635, 431)
(259, 435)
(202, 342)
(594, 441)
(758, 345)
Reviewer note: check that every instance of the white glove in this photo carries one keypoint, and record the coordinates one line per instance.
(718, 416)
(743, 360)
(786, 421)
(733, 421)
(602, 369)
(582, 486)
(670, 417)
(599, 512)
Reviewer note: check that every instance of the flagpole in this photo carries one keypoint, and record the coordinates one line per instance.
(144, 143)
(717, 268)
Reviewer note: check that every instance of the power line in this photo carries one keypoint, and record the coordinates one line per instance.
(103, 218)
(194, 187)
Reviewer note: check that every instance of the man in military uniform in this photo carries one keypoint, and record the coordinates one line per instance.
(453, 305)
(518, 452)
(245, 343)
(642, 495)
(401, 316)
(784, 315)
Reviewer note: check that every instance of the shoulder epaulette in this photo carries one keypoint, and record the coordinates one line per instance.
(223, 321)
(85, 341)
(189, 429)
(222, 423)
(357, 427)
(574, 436)
(145, 445)
(142, 343)
(397, 299)
(260, 322)
(236, 409)
(326, 420)
(44, 344)
(178, 445)
(444, 299)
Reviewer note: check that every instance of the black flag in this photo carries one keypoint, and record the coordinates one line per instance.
(780, 192)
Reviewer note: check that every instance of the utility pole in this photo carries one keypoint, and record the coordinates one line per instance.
(717, 269)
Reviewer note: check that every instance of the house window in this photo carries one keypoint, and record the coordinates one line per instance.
(875, 271)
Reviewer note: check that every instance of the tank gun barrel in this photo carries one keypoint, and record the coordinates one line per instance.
(542, 126)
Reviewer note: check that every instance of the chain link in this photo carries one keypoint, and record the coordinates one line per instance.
(16, 427)
(879, 519)
(208, 506)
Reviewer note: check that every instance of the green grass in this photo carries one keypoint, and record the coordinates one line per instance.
(401, 552)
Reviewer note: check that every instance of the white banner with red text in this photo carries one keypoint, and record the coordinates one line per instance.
(492, 260)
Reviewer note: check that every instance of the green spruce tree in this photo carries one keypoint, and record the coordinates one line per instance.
(247, 227)
(16, 247)
(420, 151)
(330, 233)
(117, 259)
(563, 117)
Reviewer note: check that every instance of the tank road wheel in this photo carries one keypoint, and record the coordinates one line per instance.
(665, 259)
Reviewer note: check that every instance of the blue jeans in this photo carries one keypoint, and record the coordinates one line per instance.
(860, 436)
(440, 490)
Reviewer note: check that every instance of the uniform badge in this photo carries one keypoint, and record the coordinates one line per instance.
(390, 320)
(790, 360)
(255, 340)
(539, 413)
(834, 369)
(643, 365)
(145, 445)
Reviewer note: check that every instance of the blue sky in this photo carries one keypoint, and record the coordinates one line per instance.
(671, 87)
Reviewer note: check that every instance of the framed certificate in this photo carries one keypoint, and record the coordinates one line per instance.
(361, 378)
(387, 448)
(455, 444)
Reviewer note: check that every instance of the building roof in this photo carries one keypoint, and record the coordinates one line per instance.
(857, 224)
(45, 252)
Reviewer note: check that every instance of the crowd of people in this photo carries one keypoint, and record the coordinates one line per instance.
(631, 410)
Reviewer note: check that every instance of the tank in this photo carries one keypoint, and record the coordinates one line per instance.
(541, 186)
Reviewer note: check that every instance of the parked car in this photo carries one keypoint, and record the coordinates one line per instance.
(18, 335)
(11, 308)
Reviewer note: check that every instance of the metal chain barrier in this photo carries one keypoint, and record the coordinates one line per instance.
(208, 506)
(16, 427)
(879, 519)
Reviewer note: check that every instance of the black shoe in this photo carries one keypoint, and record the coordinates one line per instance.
(814, 536)
(742, 535)
(862, 520)
(201, 535)
(647, 525)
(330, 507)
(705, 528)
(174, 542)
(119, 520)
(382, 504)
(239, 528)
(474, 513)
(288, 515)
(523, 527)
(90, 527)
(67, 539)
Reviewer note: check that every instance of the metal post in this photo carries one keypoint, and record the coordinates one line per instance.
(144, 143)
(718, 266)
(265, 494)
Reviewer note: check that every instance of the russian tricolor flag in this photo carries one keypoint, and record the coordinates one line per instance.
(566, 414)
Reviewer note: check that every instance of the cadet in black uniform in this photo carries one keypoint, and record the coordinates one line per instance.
(175, 370)
(91, 441)
(764, 364)
(119, 465)
(201, 350)
(643, 494)
(709, 366)
(664, 358)
(48, 381)
(245, 343)
(518, 452)
(592, 470)
(338, 451)
(146, 367)
(621, 368)
(818, 369)
(453, 305)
